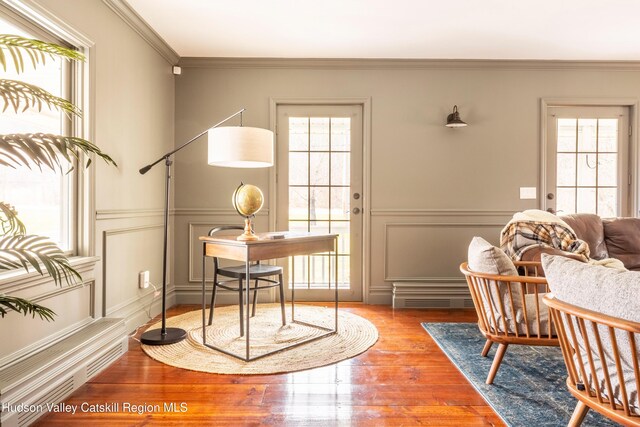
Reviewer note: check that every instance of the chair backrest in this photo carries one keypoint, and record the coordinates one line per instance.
(520, 293)
(604, 373)
(218, 229)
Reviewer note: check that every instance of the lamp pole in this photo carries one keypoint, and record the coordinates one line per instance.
(164, 335)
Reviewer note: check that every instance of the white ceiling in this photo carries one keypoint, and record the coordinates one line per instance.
(461, 29)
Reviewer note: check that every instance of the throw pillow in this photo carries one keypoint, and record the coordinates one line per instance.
(483, 257)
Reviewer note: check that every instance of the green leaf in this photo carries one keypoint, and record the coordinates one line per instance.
(9, 222)
(27, 251)
(24, 306)
(44, 149)
(15, 93)
(37, 50)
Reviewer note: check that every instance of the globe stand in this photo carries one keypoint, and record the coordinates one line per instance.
(248, 234)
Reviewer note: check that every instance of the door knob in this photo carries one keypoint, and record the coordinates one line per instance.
(550, 196)
(551, 210)
(355, 211)
(356, 196)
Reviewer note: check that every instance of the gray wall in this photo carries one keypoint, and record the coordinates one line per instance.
(134, 123)
(432, 188)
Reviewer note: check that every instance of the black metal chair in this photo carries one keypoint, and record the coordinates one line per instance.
(258, 272)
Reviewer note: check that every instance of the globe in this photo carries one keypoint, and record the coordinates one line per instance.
(247, 200)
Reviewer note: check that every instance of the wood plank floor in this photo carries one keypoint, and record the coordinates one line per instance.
(403, 380)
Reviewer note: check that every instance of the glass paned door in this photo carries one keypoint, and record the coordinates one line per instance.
(319, 190)
(587, 161)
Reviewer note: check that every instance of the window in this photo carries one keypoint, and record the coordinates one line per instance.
(45, 200)
(587, 168)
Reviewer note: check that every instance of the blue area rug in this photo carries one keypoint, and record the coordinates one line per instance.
(529, 389)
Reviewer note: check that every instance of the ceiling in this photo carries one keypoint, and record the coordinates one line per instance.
(461, 29)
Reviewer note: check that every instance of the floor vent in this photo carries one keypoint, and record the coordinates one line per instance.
(103, 361)
(54, 395)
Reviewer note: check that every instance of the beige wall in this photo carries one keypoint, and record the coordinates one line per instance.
(133, 90)
(432, 188)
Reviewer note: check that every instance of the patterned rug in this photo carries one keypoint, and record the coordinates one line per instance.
(355, 335)
(529, 389)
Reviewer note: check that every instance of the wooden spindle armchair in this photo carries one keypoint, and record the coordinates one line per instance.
(604, 374)
(510, 309)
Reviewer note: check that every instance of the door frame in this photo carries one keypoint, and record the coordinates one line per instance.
(631, 103)
(365, 103)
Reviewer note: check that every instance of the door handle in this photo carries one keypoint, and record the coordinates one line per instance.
(355, 211)
(551, 210)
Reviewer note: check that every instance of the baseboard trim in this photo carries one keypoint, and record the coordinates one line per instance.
(52, 374)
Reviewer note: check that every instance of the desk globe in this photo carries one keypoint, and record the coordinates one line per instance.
(247, 200)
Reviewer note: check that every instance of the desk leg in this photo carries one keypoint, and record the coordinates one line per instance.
(293, 288)
(335, 252)
(246, 300)
(204, 307)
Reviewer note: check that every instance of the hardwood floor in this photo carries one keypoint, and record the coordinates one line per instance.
(403, 380)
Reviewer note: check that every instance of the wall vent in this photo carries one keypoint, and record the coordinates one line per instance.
(103, 361)
(54, 395)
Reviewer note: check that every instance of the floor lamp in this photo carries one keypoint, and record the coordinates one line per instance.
(234, 146)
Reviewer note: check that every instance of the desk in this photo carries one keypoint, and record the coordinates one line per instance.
(263, 249)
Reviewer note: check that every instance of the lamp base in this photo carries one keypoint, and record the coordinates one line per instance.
(155, 336)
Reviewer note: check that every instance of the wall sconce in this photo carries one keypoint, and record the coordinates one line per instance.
(453, 119)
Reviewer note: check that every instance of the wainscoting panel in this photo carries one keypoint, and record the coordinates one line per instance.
(416, 254)
(427, 251)
(126, 252)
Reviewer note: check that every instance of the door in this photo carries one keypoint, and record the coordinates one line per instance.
(319, 189)
(588, 161)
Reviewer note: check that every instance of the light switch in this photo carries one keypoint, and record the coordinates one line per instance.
(528, 193)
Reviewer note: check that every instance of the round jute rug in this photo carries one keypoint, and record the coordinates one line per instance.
(355, 335)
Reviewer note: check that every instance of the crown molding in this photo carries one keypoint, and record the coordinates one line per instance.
(140, 26)
(405, 64)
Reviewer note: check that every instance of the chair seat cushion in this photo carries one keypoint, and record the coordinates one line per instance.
(255, 271)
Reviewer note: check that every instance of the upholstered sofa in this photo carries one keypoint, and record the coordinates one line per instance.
(607, 238)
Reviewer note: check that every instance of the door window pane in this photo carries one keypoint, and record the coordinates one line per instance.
(567, 136)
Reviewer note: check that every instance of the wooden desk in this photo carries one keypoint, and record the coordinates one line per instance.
(263, 249)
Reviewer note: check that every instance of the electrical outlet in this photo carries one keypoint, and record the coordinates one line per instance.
(143, 279)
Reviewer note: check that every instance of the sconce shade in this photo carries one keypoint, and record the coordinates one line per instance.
(240, 147)
(453, 119)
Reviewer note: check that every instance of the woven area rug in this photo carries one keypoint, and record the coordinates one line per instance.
(355, 335)
(529, 389)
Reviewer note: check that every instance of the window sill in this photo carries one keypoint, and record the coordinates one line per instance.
(15, 280)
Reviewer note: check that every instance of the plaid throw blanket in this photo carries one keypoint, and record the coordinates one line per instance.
(520, 236)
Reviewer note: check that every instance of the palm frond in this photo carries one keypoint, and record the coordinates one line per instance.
(15, 93)
(9, 222)
(45, 149)
(36, 50)
(24, 251)
(24, 306)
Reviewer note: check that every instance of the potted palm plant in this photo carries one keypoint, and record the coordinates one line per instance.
(18, 249)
